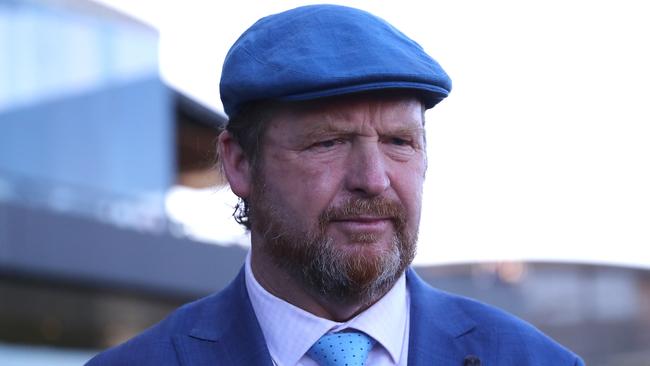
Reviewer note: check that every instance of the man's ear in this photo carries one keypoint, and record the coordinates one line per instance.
(235, 164)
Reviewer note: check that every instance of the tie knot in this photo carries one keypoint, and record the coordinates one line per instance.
(341, 349)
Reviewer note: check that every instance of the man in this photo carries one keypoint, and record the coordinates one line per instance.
(326, 148)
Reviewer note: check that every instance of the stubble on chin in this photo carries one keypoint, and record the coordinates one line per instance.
(351, 275)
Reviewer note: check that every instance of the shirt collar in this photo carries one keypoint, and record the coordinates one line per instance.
(290, 331)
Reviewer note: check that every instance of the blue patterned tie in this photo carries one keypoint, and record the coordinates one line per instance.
(341, 349)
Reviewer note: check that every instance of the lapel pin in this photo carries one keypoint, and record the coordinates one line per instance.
(471, 360)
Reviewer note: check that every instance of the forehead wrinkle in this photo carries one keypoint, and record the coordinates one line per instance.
(327, 125)
(360, 117)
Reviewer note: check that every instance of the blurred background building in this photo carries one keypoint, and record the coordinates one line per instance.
(93, 145)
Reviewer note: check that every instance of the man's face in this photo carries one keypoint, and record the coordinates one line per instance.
(336, 197)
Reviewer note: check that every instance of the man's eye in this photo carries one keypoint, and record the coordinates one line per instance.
(327, 143)
(399, 141)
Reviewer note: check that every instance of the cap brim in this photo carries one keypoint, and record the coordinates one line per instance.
(431, 94)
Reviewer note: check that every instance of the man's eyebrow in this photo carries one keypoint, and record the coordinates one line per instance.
(404, 130)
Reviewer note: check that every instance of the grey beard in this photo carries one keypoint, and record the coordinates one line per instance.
(329, 274)
(313, 259)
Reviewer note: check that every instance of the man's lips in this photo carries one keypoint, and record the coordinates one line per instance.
(363, 218)
(363, 223)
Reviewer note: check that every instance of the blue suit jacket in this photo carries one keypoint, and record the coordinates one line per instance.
(222, 329)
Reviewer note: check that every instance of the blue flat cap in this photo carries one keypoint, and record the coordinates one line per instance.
(319, 51)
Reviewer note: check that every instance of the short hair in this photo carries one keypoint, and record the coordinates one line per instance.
(248, 127)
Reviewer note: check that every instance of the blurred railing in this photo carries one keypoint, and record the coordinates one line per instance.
(142, 212)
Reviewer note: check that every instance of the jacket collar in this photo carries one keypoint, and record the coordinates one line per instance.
(225, 330)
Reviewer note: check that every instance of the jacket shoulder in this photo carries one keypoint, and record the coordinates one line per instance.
(516, 341)
(155, 345)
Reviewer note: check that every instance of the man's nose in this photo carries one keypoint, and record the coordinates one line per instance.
(367, 175)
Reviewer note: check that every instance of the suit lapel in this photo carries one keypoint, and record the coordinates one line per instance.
(225, 332)
(441, 333)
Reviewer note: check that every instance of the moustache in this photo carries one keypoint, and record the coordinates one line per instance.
(370, 207)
